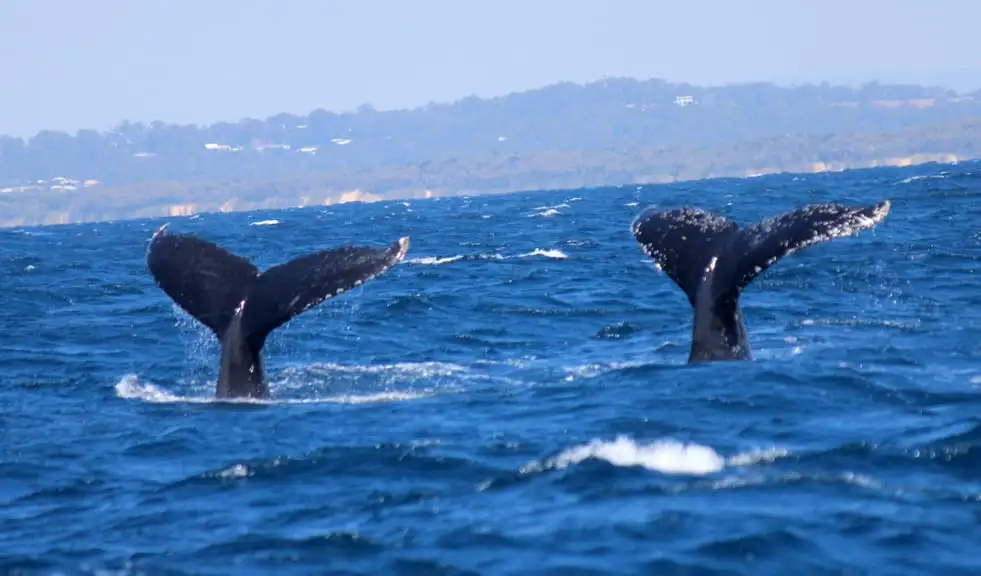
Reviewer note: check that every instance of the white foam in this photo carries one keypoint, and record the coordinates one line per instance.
(757, 456)
(236, 471)
(912, 179)
(545, 213)
(440, 260)
(412, 369)
(557, 254)
(667, 456)
(592, 370)
(434, 260)
(265, 223)
(129, 387)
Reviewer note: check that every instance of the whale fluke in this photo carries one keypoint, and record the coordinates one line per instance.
(242, 305)
(712, 260)
(205, 280)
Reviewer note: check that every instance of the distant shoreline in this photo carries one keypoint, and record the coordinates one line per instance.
(550, 170)
(564, 136)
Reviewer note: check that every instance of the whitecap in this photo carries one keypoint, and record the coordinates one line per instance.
(545, 213)
(433, 260)
(553, 253)
(667, 456)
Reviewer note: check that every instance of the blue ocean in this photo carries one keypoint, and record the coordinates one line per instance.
(512, 398)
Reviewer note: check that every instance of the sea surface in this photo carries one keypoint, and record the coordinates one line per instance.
(512, 398)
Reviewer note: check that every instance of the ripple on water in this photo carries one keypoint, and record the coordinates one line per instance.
(513, 394)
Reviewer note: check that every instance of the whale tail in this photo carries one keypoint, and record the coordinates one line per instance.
(214, 285)
(691, 245)
(712, 260)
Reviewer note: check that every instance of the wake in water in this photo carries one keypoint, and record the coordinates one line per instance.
(325, 383)
(130, 387)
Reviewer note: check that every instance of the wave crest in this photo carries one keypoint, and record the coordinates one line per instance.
(667, 456)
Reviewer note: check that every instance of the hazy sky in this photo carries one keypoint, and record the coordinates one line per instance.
(89, 64)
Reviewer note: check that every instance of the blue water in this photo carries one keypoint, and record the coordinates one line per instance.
(512, 398)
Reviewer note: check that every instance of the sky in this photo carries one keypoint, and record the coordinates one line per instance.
(67, 65)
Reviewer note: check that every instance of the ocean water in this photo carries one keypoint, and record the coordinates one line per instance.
(512, 398)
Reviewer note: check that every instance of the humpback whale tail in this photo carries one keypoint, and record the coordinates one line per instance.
(712, 260)
(242, 305)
